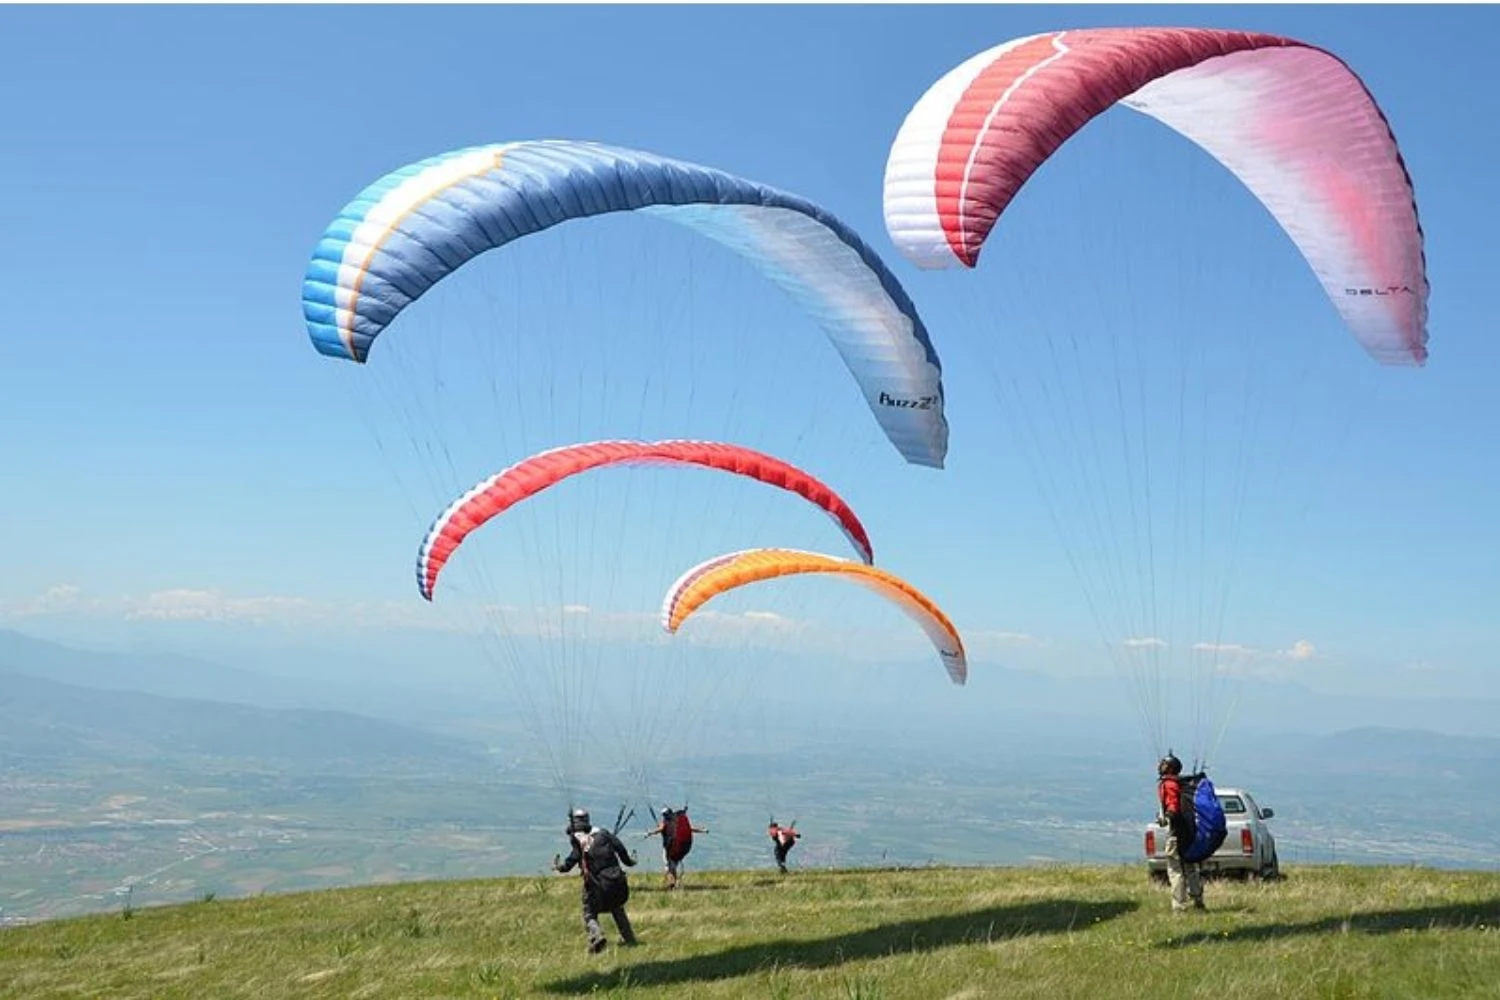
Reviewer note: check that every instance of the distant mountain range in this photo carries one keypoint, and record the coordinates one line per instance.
(154, 673)
(60, 701)
(1001, 706)
(1000, 697)
(58, 697)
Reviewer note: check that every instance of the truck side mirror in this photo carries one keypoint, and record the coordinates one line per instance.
(1267, 813)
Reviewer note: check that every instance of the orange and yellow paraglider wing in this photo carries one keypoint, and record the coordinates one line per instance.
(707, 580)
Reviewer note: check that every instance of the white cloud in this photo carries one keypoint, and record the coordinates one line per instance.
(707, 627)
(1301, 650)
(193, 605)
(183, 604)
(186, 604)
(1246, 661)
(1146, 642)
(1232, 648)
(58, 599)
(1003, 638)
(996, 643)
(712, 627)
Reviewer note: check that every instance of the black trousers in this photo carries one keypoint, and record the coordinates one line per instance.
(591, 920)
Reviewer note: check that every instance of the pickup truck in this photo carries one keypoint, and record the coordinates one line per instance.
(1249, 851)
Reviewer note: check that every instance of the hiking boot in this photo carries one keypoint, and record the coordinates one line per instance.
(597, 945)
(628, 944)
(1198, 905)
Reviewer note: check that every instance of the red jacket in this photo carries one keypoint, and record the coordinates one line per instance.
(1169, 794)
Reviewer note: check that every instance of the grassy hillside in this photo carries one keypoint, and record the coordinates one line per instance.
(1032, 932)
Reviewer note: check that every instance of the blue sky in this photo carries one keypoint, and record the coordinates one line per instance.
(177, 450)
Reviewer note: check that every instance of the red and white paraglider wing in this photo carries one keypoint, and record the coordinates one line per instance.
(542, 471)
(1291, 121)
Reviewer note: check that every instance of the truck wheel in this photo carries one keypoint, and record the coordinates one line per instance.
(1269, 872)
(1160, 878)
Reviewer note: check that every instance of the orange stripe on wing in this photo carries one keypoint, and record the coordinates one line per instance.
(346, 332)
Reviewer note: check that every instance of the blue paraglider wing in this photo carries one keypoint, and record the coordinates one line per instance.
(408, 230)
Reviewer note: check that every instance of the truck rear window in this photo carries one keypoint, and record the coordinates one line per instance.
(1232, 803)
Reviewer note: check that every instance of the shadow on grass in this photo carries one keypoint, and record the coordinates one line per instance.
(904, 937)
(1453, 916)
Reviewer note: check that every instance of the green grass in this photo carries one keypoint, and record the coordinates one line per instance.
(1095, 932)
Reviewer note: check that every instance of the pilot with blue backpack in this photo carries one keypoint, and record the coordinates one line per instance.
(1190, 809)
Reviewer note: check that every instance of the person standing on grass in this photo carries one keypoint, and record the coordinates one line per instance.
(1176, 814)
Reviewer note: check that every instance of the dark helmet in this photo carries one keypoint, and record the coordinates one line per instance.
(667, 812)
(579, 819)
(1169, 765)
